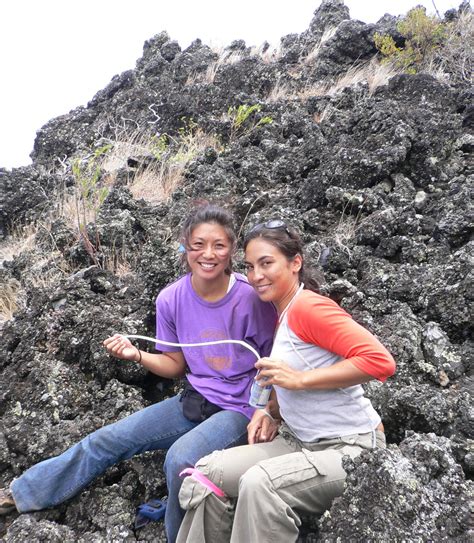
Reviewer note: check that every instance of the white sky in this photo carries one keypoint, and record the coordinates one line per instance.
(56, 54)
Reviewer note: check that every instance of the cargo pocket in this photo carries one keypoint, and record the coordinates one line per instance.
(293, 468)
(192, 492)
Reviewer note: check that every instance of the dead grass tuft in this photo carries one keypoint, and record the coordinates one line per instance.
(21, 238)
(208, 76)
(267, 54)
(348, 225)
(43, 271)
(281, 91)
(9, 293)
(156, 182)
(373, 73)
(314, 53)
(454, 59)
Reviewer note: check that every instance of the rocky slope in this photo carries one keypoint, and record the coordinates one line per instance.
(377, 177)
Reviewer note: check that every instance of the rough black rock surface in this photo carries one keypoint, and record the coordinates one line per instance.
(378, 180)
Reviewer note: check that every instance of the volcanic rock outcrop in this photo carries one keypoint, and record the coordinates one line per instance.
(378, 177)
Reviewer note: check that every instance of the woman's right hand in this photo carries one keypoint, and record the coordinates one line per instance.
(121, 347)
(262, 427)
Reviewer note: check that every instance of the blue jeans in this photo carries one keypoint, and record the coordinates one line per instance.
(160, 426)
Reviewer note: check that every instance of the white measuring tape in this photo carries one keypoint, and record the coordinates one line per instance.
(217, 342)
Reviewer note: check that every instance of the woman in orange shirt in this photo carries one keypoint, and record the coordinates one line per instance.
(317, 412)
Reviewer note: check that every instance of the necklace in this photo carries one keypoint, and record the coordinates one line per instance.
(283, 313)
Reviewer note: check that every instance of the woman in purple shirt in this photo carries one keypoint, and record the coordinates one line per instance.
(209, 303)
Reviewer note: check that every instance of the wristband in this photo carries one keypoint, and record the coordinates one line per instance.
(139, 361)
(267, 414)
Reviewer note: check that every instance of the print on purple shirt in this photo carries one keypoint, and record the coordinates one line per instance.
(223, 374)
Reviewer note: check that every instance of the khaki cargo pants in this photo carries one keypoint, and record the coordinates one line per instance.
(273, 481)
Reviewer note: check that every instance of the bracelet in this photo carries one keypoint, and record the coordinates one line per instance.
(267, 414)
(139, 361)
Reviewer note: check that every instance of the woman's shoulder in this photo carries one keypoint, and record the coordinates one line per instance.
(309, 297)
(241, 279)
(310, 301)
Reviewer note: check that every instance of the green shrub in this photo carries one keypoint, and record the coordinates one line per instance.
(423, 35)
(243, 120)
(158, 145)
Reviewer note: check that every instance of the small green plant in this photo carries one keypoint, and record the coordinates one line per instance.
(243, 119)
(423, 35)
(89, 194)
(159, 145)
(186, 142)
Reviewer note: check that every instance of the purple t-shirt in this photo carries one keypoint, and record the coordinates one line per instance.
(221, 373)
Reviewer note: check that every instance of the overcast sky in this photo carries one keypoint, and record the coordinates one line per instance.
(56, 54)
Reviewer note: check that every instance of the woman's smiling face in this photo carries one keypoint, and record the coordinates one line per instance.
(208, 251)
(271, 274)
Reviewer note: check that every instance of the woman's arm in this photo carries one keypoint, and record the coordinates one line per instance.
(169, 365)
(340, 375)
(320, 321)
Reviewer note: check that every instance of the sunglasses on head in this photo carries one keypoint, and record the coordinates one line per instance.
(271, 225)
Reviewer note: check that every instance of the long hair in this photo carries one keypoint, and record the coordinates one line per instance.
(288, 242)
(208, 213)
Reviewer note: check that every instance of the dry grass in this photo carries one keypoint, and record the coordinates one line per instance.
(208, 76)
(314, 53)
(348, 224)
(165, 156)
(268, 55)
(42, 272)
(455, 59)
(126, 144)
(325, 114)
(345, 232)
(9, 302)
(21, 238)
(373, 73)
(69, 212)
(156, 182)
(120, 263)
(281, 91)
(49, 270)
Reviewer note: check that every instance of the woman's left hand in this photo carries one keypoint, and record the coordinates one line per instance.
(277, 372)
(262, 428)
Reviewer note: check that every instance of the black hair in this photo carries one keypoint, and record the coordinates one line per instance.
(208, 213)
(289, 243)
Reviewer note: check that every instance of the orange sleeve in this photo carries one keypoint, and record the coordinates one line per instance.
(321, 321)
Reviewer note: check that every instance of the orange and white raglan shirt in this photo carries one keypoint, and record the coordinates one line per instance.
(314, 333)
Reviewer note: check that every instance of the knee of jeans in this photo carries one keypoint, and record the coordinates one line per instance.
(103, 440)
(177, 458)
(253, 480)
